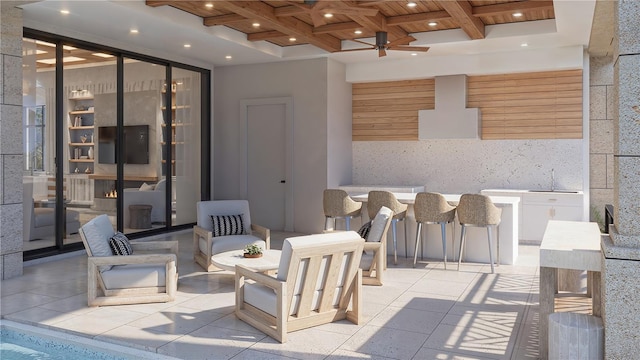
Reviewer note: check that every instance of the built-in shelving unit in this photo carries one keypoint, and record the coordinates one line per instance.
(171, 133)
(81, 126)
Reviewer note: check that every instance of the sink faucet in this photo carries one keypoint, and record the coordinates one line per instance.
(553, 180)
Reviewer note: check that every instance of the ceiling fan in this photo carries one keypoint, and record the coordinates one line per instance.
(382, 45)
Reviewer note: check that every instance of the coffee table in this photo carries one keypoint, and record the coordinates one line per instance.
(270, 260)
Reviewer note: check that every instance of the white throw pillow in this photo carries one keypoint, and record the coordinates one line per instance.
(378, 223)
(146, 187)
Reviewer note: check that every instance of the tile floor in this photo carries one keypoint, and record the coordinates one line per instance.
(420, 313)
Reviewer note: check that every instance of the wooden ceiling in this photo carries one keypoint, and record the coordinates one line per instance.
(279, 22)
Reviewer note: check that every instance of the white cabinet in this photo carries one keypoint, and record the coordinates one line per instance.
(537, 208)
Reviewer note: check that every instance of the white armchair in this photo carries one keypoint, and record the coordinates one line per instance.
(131, 279)
(154, 197)
(318, 282)
(205, 244)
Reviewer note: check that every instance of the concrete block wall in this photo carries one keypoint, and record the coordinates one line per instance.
(601, 117)
(10, 140)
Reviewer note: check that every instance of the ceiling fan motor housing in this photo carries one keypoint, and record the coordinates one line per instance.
(381, 39)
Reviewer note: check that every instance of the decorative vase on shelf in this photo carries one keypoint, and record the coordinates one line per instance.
(90, 153)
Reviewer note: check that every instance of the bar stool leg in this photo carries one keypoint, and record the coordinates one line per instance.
(347, 222)
(422, 236)
(406, 246)
(498, 241)
(395, 242)
(453, 239)
(490, 247)
(415, 253)
(443, 231)
(462, 233)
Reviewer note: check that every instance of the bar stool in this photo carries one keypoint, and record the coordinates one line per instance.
(378, 199)
(338, 204)
(433, 208)
(478, 210)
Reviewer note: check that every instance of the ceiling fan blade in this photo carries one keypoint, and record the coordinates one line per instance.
(382, 52)
(401, 41)
(409, 48)
(345, 50)
(362, 42)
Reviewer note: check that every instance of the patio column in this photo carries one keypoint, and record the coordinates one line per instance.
(10, 140)
(621, 250)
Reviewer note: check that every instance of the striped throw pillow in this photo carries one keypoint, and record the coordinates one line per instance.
(364, 230)
(224, 225)
(119, 244)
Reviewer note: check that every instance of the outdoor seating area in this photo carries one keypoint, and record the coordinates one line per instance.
(431, 312)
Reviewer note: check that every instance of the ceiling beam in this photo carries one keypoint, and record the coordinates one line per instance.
(420, 17)
(223, 19)
(265, 35)
(462, 13)
(509, 8)
(377, 22)
(288, 25)
(156, 3)
(289, 11)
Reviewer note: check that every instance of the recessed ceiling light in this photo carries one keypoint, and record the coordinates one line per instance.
(64, 12)
(64, 60)
(292, 39)
(133, 31)
(414, 54)
(187, 45)
(208, 5)
(433, 23)
(358, 32)
(328, 15)
(411, 4)
(255, 24)
(102, 55)
(228, 57)
(524, 44)
(518, 14)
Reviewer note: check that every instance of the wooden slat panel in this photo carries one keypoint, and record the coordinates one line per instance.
(388, 111)
(542, 105)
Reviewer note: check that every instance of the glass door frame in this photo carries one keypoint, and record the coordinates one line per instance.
(59, 123)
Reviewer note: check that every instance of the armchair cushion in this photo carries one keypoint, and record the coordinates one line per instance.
(98, 232)
(224, 225)
(231, 242)
(134, 276)
(378, 224)
(119, 244)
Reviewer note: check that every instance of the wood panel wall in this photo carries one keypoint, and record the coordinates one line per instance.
(389, 110)
(542, 105)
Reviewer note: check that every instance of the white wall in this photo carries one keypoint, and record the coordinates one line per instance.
(307, 83)
(339, 149)
(458, 166)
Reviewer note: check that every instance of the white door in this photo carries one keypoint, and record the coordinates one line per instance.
(266, 164)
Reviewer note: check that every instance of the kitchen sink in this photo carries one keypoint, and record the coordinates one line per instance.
(555, 191)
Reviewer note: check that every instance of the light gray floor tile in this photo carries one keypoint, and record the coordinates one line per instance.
(424, 301)
(400, 318)
(38, 315)
(341, 354)
(210, 342)
(479, 341)
(306, 344)
(393, 343)
(432, 354)
(251, 354)
(22, 301)
(176, 320)
(440, 287)
(131, 336)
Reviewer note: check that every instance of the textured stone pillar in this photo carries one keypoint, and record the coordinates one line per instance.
(621, 252)
(10, 140)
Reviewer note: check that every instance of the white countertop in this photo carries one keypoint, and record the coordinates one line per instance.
(364, 189)
(571, 245)
(533, 191)
(409, 198)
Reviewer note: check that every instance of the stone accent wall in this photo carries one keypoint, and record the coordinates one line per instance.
(10, 140)
(601, 103)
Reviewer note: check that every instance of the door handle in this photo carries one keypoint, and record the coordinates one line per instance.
(282, 181)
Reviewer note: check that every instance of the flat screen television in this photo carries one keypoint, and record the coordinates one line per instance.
(136, 144)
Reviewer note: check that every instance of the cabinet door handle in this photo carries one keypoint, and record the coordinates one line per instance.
(552, 213)
(553, 200)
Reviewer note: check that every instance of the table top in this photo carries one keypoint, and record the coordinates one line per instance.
(571, 245)
(409, 198)
(270, 260)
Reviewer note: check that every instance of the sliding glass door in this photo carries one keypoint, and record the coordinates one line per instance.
(108, 132)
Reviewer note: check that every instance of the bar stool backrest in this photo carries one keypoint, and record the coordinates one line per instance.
(477, 209)
(433, 207)
(378, 199)
(337, 203)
